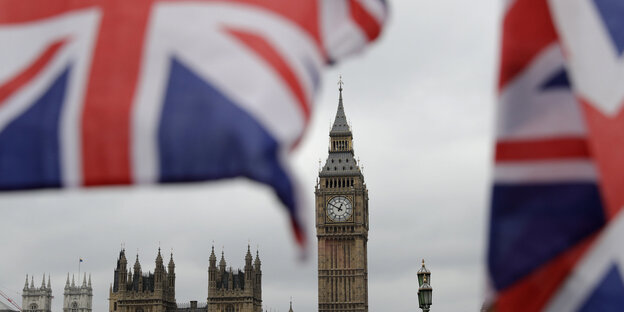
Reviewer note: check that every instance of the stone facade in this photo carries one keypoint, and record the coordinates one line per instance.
(342, 224)
(37, 299)
(78, 298)
(138, 292)
(239, 291)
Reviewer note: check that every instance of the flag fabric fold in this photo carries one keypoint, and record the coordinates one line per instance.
(122, 92)
(555, 220)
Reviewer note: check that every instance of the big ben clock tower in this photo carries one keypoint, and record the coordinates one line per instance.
(342, 224)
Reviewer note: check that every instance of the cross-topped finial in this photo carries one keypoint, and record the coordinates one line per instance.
(340, 83)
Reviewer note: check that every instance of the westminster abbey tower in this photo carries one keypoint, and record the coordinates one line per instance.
(342, 224)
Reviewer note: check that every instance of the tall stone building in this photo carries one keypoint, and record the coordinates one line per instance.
(78, 298)
(230, 291)
(37, 299)
(342, 224)
(138, 292)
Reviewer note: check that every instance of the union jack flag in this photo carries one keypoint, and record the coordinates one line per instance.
(99, 92)
(555, 225)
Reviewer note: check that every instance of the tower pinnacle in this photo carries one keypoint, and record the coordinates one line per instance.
(340, 126)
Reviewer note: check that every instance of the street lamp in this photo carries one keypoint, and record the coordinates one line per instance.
(424, 295)
(425, 291)
(422, 273)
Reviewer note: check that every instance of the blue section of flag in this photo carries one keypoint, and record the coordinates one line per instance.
(204, 135)
(531, 224)
(608, 296)
(558, 80)
(612, 12)
(29, 145)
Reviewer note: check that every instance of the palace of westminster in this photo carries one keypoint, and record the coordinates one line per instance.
(342, 225)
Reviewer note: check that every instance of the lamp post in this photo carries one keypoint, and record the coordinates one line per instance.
(425, 291)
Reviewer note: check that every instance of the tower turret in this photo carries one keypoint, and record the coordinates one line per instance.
(159, 272)
(258, 276)
(213, 258)
(248, 264)
(234, 290)
(137, 266)
(37, 298)
(257, 262)
(171, 277)
(120, 280)
(78, 298)
(212, 271)
(222, 263)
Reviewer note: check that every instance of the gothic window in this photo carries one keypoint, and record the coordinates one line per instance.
(115, 307)
(229, 308)
(33, 307)
(74, 306)
(139, 310)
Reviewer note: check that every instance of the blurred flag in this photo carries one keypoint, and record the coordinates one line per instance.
(81, 260)
(121, 92)
(555, 227)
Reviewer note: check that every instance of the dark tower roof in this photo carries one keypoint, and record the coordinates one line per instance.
(340, 161)
(340, 126)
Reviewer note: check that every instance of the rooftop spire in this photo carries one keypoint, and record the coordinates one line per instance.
(171, 265)
(137, 265)
(159, 259)
(222, 262)
(49, 285)
(248, 257)
(340, 126)
(26, 283)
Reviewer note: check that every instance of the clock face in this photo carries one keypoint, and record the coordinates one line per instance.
(339, 209)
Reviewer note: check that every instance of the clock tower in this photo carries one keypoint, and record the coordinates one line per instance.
(342, 224)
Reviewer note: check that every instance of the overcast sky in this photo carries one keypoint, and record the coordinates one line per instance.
(421, 106)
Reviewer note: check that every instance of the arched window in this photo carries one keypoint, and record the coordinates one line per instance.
(33, 307)
(229, 308)
(74, 306)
